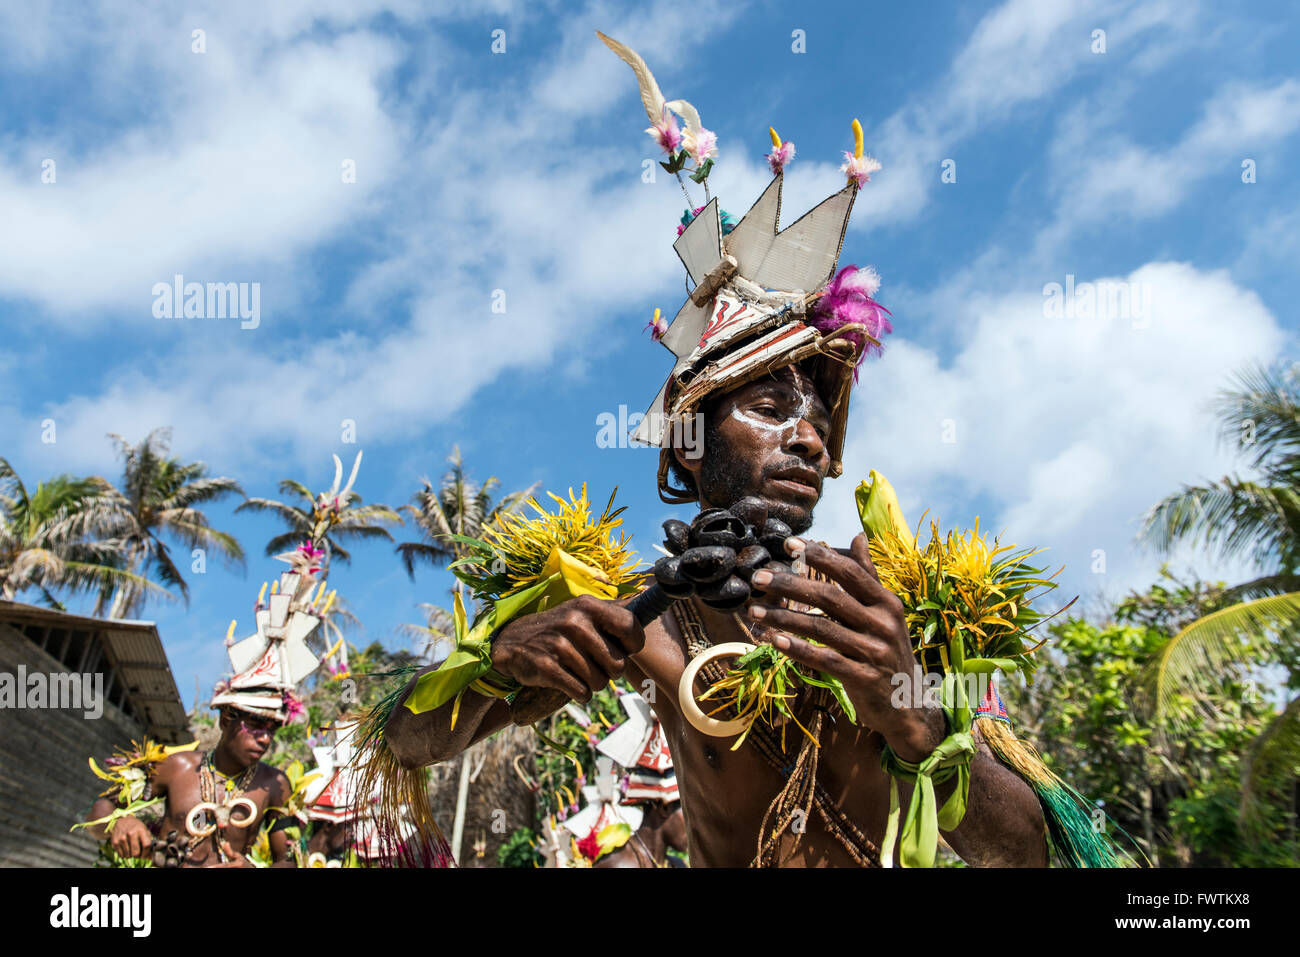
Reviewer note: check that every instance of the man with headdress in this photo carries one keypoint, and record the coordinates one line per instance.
(766, 351)
(649, 783)
(633, 810)
(331, 804)
(216, 801)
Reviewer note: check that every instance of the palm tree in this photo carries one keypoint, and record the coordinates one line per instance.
(321, 522)
(459, 506)
(326, 520)
(50, 539)
(437, 631)
(1256, 518)
(161, 495)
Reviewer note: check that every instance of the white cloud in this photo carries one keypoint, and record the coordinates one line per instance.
(1018, 55)
(1067, 430)
(1100, 174)
(484, 200)
(242, 172)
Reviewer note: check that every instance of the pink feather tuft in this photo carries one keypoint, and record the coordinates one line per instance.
(847, 299)
(293, 708)
(780, 157)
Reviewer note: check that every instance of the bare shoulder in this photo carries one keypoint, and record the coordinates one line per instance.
(181, 762)
(660, 630)
(662, 639)
(277, 782)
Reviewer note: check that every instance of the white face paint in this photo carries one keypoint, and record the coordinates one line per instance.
(785, 428)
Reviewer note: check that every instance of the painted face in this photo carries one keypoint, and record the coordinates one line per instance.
(251, 735)
(768, 439)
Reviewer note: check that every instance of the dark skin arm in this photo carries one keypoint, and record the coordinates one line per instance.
(575, 648)
(864, 643)
(130, 837)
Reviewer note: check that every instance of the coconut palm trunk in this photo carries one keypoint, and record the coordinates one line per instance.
(462, 786)
(462, 801)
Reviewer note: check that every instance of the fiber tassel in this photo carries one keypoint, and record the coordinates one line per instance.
(1069, 819)
(408, 834)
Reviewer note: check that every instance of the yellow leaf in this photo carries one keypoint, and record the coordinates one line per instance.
(571, 578)
(460, 619)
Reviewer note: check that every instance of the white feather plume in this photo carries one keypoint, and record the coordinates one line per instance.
(651, 98)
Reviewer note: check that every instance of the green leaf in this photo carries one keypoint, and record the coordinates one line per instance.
(462, 667)
(984, 666)
(701, 174)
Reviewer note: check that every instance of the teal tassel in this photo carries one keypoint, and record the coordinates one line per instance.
(1070, 826)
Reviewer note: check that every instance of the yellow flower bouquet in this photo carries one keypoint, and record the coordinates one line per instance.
(521, 566)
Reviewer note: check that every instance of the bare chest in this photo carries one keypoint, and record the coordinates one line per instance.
(727, 793)
(215, 812)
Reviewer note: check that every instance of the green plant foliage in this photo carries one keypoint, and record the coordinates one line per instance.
(1090, 715)
(519, 849)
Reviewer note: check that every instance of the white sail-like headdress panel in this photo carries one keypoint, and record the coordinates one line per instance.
(746, 314)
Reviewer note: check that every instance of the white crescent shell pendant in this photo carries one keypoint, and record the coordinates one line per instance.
(686, 691)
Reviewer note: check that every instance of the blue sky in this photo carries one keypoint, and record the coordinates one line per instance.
(521, 171)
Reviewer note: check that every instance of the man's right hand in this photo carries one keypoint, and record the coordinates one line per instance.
(576, 648)
(130, 838)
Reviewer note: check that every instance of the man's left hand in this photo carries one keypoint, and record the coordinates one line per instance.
(233, 857)
(863, 639)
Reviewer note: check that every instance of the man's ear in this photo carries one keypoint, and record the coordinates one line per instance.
(686, 439)
(691, 462)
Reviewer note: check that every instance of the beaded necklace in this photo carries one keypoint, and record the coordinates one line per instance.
(803, 792)
(233, 790)
(234, 787)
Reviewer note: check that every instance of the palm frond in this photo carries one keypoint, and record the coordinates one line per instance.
(1262, 587)
(1233, 516)
(287, 513)
(192, 528)
(417, 553)
(1196, 658)
(1260, 416)
(352, 532)
(1273, 758)
(286, 541)
(200, 490)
